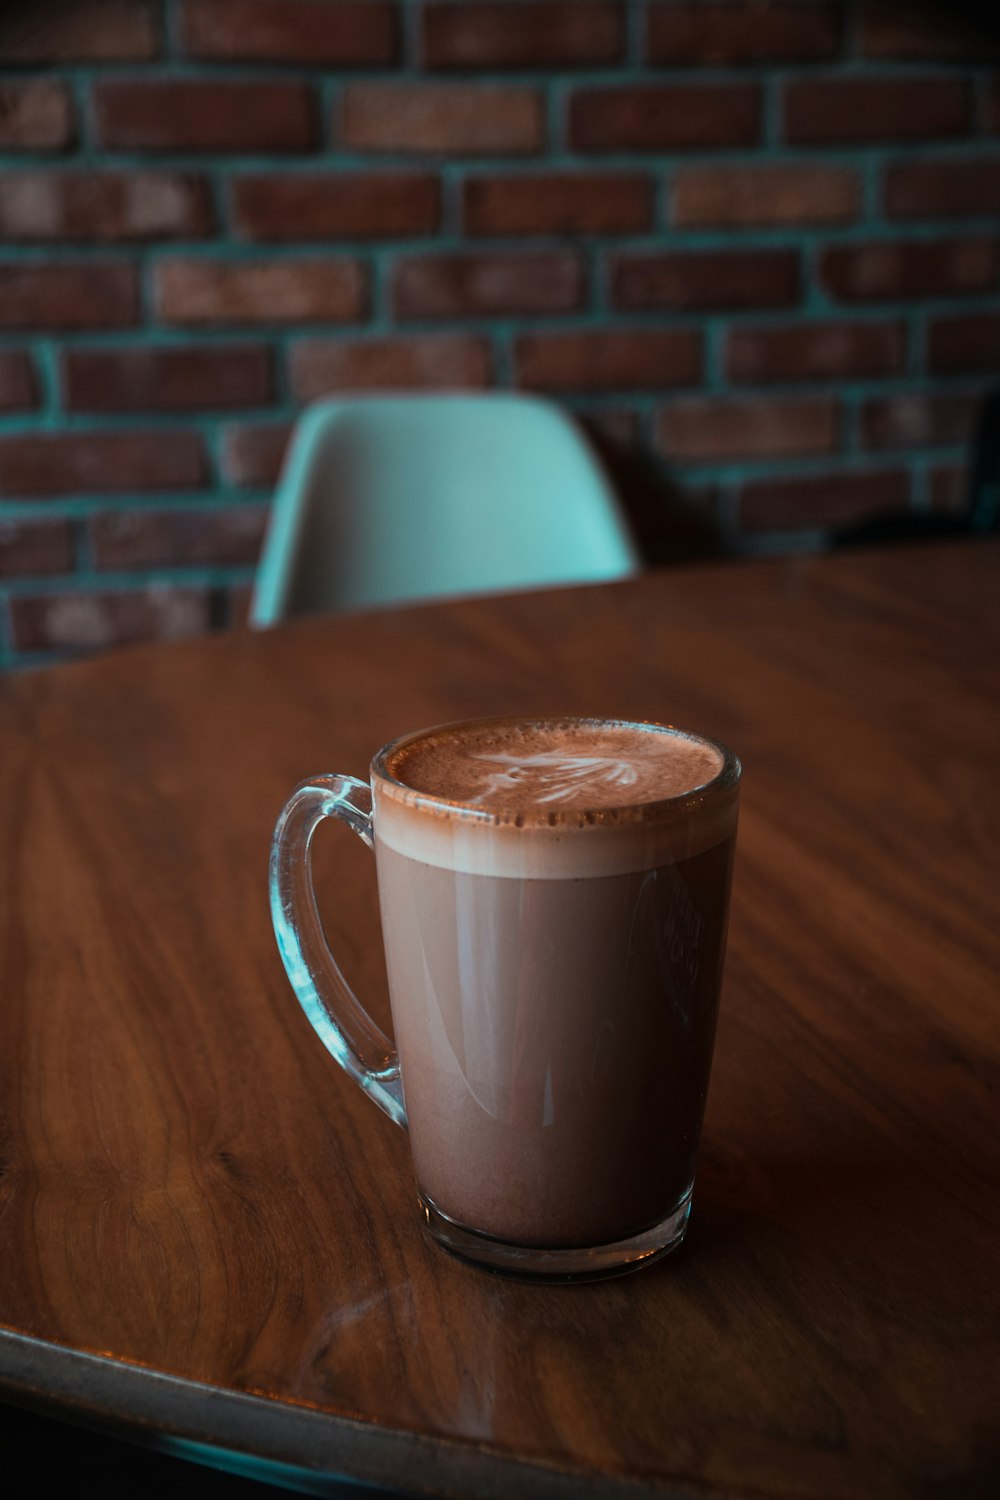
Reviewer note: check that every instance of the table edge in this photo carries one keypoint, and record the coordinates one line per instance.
(287, 1442)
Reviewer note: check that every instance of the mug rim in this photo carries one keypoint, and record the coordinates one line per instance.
(727, 778)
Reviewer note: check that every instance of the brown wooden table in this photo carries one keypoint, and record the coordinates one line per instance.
(207, 1232)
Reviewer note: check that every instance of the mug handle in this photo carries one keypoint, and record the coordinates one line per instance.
(333, 1010)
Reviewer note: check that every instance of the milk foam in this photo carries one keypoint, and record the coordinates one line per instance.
(553, 776)
(553, 799)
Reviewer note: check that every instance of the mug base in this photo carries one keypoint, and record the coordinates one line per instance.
(538, 1263)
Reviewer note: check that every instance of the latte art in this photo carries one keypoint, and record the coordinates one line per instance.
(552, 798)
(548, 773)
(553, 777)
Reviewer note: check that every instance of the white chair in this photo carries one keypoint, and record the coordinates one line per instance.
(395, 498)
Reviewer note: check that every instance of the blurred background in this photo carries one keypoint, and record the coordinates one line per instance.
(753, 244)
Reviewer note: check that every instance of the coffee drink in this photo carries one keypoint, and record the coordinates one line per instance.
(554, 898)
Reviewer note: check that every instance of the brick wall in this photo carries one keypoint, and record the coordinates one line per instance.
(753, 241)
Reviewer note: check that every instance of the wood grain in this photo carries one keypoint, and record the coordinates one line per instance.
(190, 1184)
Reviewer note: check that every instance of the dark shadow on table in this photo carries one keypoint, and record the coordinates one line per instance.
(42, 1454)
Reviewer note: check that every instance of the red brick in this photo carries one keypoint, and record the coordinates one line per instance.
(184, 115)
(102, 205)
(87, 621)
(559, 203)
(35, 115)
(913, 30)
(18, 386)
(67, 463)
(455, 119)
(826, 111)
(815, 351)
(454, 286)
(339, 33)
(532, 34)
(216, 536)
(208, 378)
(808, 501)
(717, 431)
(253, 452)
(943, 189)
(292, 291)
(636, 359)
(918, 419)
(665, 117)
(705, 279)
(950, 489)
(882, 270)
(743, 31)
(967, 343)
(67, 31)
(366, 205)
(428, 362)
(68, 294)
(35, 547)
(749, 196)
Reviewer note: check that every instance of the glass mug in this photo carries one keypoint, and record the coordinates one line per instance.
(554, 971)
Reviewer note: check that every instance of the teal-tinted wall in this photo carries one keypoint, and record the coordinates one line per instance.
(754, 244)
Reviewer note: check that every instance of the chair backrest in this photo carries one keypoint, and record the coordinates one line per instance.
(387, 499)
